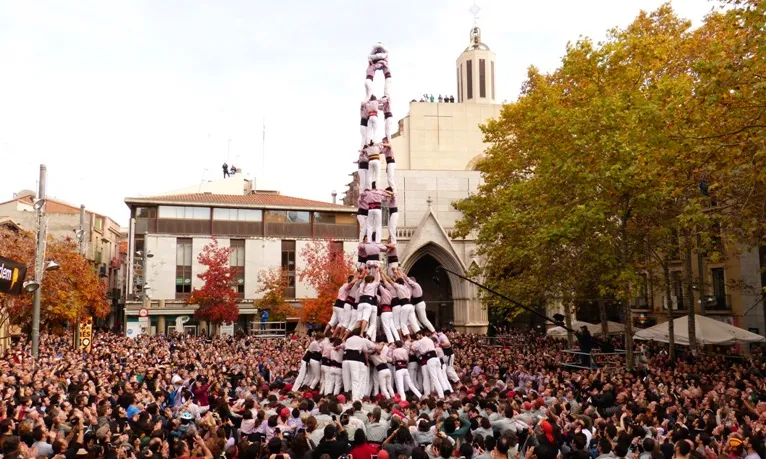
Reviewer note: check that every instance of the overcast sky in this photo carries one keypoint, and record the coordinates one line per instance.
(134, 98)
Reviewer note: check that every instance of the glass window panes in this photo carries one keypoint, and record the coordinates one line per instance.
(184, 213)
(243, 215)
(237, 256)
(294, 216)
(184, 252)
(275, 216)
(324, 217)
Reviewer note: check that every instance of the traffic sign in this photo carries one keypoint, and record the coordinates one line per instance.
(143, 312)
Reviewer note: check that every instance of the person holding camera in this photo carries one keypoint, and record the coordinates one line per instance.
(330, 443)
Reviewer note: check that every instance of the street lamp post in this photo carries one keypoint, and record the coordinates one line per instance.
(80, 234)
(39, 261)
(144, 262)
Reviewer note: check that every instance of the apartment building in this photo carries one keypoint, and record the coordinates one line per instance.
(264, 229)
(101, 233)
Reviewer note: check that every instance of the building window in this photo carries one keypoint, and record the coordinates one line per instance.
(241, 215)
(290, 223)
(288, 267)
(460, 85)
(184, 213)
(457, 70)
(146, 220)
(469, 79)
(183, 220)
(719, 287)
(100, 224)
(482, 78)
(237, 264)
(678, 288)
(335, 226)
(183, 267)
(492, 77)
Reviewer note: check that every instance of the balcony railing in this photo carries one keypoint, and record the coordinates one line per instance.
(288, 229)
(335, 231)
(718, 303)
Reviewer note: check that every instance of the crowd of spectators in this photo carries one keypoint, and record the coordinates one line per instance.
(441, 99)
(184, 396)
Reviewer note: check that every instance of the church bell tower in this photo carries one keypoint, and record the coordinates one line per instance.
(476, 69)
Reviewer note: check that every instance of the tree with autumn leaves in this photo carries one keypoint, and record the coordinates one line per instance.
(73, 288)
(325, 270)
(216, 300)
(648, 142)
(272, 284)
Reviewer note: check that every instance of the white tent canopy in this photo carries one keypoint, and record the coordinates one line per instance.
(708, 331)
(614, 328)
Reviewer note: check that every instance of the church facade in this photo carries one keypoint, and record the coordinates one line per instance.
(436, 148)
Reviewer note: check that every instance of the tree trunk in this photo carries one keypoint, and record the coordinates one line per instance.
(603, 318)
(690, 295)
(669, 303)
(568, 323)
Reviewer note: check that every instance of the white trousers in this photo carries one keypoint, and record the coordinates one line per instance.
(372, 127)
(363, 132)
(345, 375)
(387, 319)
(397, 316)
(374, 225)
(403, 382)
(346, 315)
(337, 316)
(362, 220)
(435, 376)
(304, 369)
(363, 173)
(420, 310)
(373, 175)
(425, 379)
(386, 87)
(413, 368)
(393, 219)
(390, 169)
(408, 317)
(316, 374)
(358, 379)
(333, 381)
(323, 384)
(385, 382)
(451, 373)
(387, 126)
(372, 328)
(364, 310)
(443, 379)
(353, 318)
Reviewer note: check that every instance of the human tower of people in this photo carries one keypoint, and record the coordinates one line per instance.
(352, 355)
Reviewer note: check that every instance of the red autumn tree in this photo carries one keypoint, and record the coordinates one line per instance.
(272, 284)
(73, 288)
(326, 268)
(216, 300)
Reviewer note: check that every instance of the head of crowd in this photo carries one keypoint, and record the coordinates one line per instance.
(181, 396)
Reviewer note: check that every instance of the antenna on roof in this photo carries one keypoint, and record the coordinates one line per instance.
(202, 180)
(263, 149)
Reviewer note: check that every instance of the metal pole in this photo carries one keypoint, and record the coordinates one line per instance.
(701, 274)
(143, 268)
(39, 268)
(82, 252)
